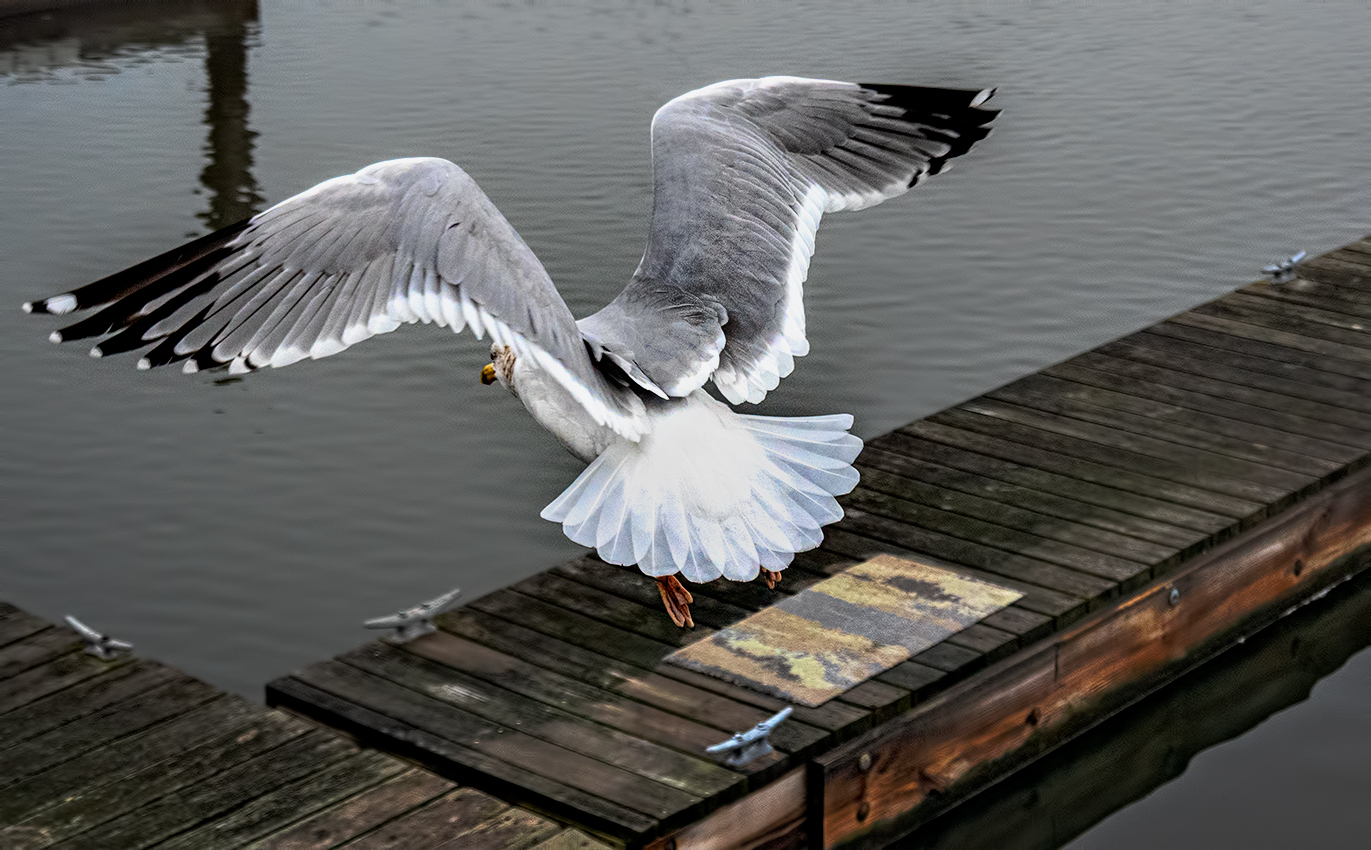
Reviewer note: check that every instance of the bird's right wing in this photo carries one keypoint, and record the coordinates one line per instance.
(402, 241)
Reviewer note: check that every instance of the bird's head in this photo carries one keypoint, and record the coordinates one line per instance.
(500, 368)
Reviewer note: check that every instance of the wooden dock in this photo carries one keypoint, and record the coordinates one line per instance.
(131, 753)
(1155, 501)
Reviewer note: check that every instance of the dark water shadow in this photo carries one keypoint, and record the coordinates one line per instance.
(90, 42)
(1054, 800)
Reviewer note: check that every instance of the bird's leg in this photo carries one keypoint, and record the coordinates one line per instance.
(676, 599)
(771, 577)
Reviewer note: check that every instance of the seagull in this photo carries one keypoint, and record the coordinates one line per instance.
(677, 482)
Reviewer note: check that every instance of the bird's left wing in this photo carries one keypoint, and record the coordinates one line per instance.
(402, 241)
(742, 172)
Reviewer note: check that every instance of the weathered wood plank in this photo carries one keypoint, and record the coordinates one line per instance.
(1263, 406)
(710, 607)
(137, 712)
(881, 472)
(432, 825)
(61, 672)
(288, 803)
(751, 822)
(40, 647)
(1347, 345)
(606, 607)
(1316, 352)
(512, 829)
(360, 813)
(17, 624)
(1316, 402)
(844, 539)
(1348, 301)
(1154, 476)
(1231, 437)
(1053, 689)
(1253, 355)
(571, 839)
(117, 683)
(637, 650)
(1077, 587)
(643, 720)
(641, 684)
(454, 760)
(520, 751)
(217, 794)
(1096, 477)
(132, 770)
(696, 774)
(1077, 559)
(1312, 315)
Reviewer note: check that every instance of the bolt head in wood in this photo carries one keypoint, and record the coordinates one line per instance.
(864, 763)
(863, 809)
(1174, 597)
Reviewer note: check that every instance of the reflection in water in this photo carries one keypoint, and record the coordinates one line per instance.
(1122, 760)
(228, 174)
(91, 42)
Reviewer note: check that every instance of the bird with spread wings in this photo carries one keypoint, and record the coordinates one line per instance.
(676, 482)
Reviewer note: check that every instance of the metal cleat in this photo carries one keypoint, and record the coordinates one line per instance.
(746, 747)
(414, 622)
(101, 646)
(1284, 271)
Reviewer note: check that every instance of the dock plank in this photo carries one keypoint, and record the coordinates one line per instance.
(71, 740)
(36, 649)
(17, 624)
(641, 684)
(215, 795)
(360, 813)
(1075, 558)
(435, 750)
(433, 824)
(881, 471)
(137, 770)
(501, 741)
(61, 672)
(1314, 353)
(693, 775)
(1231, 437)
(555, 689)
(116, 683)
(1250, 354)
(1176, 482)
(285, 805)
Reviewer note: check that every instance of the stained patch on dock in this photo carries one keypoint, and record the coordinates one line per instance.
(828, 639)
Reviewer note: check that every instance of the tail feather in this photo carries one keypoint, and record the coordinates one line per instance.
(709, 493)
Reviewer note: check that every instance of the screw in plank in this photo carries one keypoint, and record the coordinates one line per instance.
(101, 646)
(863, 809)
(413, 622)
(864, 763)
(746, 747)
(1299, 567)
(1174, 597)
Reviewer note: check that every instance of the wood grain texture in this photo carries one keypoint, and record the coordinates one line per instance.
(961, 739)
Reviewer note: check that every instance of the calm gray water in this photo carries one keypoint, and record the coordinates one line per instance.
(1149, 157)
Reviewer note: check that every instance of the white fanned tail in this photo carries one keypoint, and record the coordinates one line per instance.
(708, 492)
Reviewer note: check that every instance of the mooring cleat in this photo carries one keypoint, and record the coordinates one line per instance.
(746, 747)
(417, 621)
(1284, 271)
(101, 646)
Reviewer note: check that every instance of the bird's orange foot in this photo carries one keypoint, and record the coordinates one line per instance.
(677, 600)
(772, 578)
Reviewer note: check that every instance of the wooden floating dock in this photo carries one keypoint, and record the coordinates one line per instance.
(1154, 501)
(131, 753)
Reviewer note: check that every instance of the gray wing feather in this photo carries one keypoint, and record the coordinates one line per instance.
(402, 241)
(743, 171)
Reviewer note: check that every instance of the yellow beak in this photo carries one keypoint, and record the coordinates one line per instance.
(488, 374)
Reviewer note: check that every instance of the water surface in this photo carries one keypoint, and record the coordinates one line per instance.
(1148, 158)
